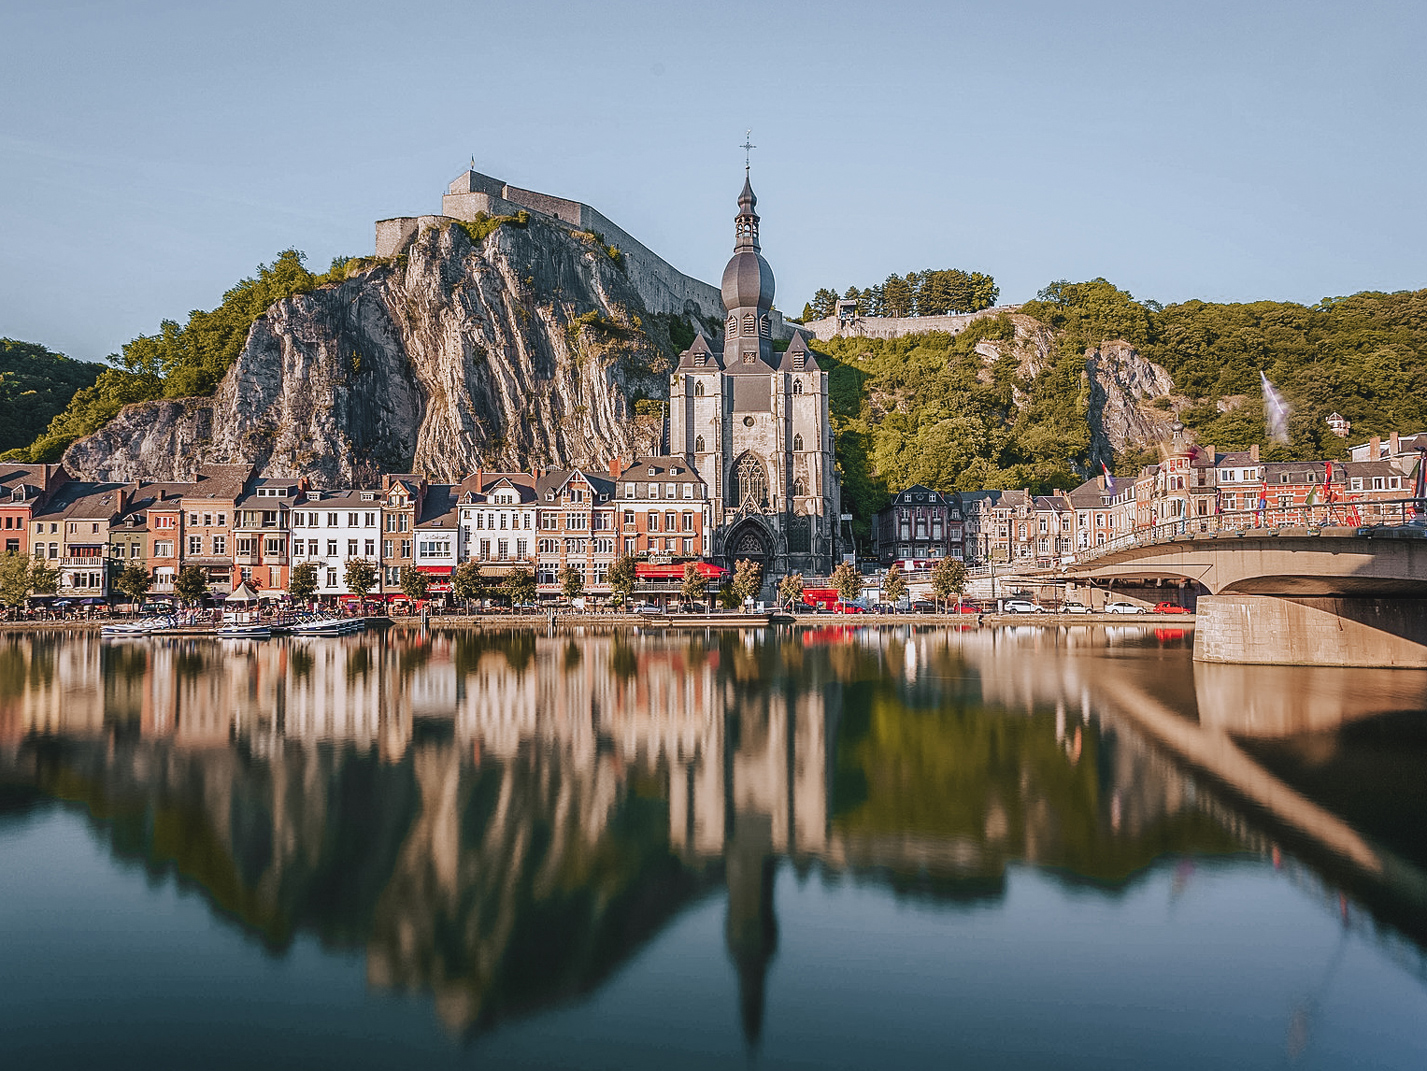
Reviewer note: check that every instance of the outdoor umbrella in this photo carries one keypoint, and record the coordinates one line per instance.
(91, 602)
(61, 602)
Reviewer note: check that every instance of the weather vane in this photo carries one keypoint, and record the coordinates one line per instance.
(747, 147)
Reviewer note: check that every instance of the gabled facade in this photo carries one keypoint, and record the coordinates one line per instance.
(401, 501)
(918, 526)
(496, 513)
(332, 528)
(575, 515)
(262, 534)
(23, 489)
(663, 511)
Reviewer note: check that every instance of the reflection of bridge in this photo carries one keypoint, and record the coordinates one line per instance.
(1329, 597)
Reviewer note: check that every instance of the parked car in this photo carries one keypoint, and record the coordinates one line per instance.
(1124, 608)
(1070, 606)
(1171, 608)
(1022, 606)
(651, 611)
(923, 606)
(851, 608)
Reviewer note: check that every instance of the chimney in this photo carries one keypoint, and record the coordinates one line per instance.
(615, 468)
(1254, 452)
(1374, 447)
(480, 480)
(1392, 445)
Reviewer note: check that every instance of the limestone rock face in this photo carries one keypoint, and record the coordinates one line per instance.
(528, 347)
(1120, 379)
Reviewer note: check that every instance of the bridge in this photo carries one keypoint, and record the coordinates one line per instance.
(1294, 593)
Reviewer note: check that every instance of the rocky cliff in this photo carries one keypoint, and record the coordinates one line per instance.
(523, 346)
(1121, 385)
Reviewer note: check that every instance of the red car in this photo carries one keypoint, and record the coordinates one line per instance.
(1171, 608)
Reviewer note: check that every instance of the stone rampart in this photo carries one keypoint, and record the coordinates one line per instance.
(896, 326)
(662, 287)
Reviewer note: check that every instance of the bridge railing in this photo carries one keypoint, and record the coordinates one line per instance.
(1391, 513)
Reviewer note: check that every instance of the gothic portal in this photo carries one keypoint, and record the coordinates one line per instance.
(753, 422)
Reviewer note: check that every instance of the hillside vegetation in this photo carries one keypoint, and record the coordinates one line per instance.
(929, 409)
(178, 362)
(35, 385)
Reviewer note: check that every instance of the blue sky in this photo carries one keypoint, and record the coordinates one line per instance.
(151, 154)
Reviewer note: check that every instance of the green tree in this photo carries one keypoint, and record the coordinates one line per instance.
(694, 584)
(747, 580)
(44, 578)
(894, 587)
(848, 581)
(414, 583)
(14, 579)
(302, 582)
(134, 581)
(520, 587)
(468, 583)
(622, 575)
(790, 590)
(35, 386)
(572, 582)
(191, 585)
(360, 576)
(948, 579)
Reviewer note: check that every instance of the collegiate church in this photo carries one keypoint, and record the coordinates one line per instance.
(754, 424)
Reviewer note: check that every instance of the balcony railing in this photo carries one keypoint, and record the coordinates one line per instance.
(97, 562)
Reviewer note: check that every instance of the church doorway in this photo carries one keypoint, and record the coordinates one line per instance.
(749, 541)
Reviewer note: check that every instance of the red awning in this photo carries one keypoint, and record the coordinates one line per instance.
(435, 570)
(674, 571)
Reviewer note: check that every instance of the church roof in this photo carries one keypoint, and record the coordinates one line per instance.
(701, 347)
(797, 357)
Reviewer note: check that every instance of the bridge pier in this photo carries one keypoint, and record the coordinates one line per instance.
(1311, 630)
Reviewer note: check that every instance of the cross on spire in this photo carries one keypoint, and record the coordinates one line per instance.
(747, 148)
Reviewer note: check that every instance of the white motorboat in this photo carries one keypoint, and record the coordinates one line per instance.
(145, 626)
(243, 624)
(326, 626)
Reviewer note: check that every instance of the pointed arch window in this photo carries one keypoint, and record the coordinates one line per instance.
(751, 481)
(797, 442)
(797, 386)
(699, 444)
(799, 488)
(698, 388)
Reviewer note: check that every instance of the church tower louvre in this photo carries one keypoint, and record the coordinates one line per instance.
(752, 419)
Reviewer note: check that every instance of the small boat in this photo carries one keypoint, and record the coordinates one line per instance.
(145, 626)
(243, 625)
(238, 631)
(318, 625)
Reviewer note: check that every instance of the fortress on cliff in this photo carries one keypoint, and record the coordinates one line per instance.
(663, 287)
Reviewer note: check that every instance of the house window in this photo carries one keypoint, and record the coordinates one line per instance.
(220, 544)
(195, 544)
(331, 548)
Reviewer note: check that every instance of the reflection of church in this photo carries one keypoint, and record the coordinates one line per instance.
(754, 424)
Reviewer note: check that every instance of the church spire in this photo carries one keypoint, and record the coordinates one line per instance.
(745, 224)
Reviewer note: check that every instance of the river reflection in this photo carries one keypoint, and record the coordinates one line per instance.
(503, 819)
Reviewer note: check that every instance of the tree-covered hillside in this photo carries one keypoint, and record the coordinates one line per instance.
(929, 409)
(35, 385)
(1361, 356)
(178, 362)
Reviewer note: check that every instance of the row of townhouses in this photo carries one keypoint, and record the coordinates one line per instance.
(1193, 489)
(242, 527)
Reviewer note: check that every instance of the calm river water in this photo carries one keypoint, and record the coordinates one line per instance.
(860, 847)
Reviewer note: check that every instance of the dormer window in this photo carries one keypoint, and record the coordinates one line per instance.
(799, 360)
(700, 359)
(369, 496)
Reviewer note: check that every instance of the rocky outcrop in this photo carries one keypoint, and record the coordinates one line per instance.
(530, 346)
(1120, 380)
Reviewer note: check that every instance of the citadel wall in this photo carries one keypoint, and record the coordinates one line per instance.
(896, 326)
(663, 287)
